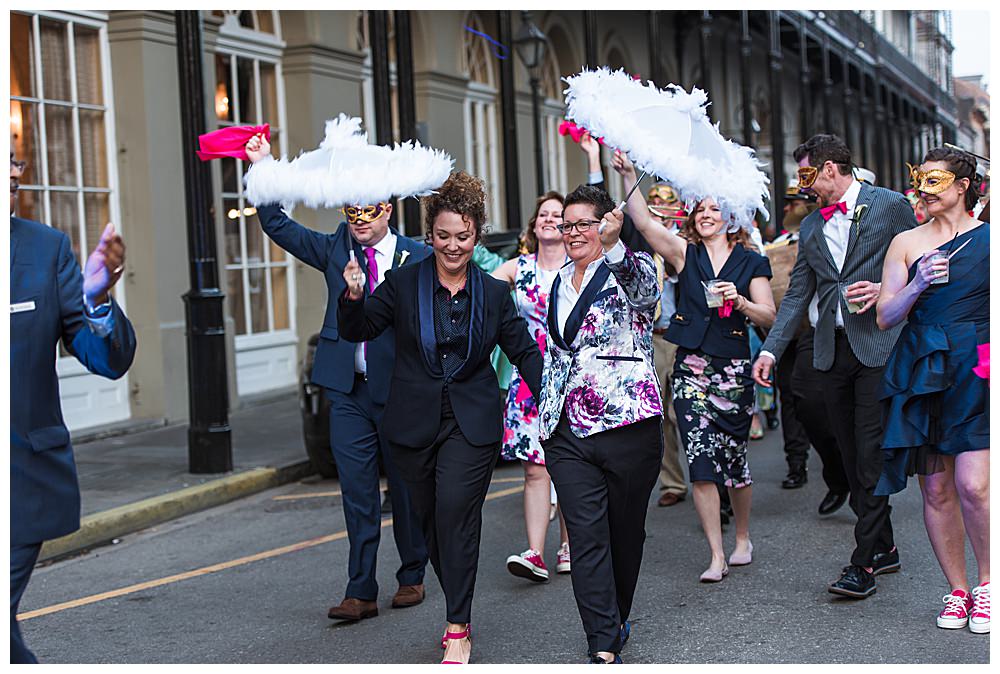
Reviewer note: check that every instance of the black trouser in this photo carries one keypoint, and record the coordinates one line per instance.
(792, 431)
(807, 384)
(604, 482)
(447, 483)
(855, 414)
(22, 562)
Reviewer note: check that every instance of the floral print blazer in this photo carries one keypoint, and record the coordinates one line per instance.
(600, 373)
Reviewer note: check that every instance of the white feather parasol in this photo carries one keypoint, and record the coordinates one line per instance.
(668, 133)
(346, 170)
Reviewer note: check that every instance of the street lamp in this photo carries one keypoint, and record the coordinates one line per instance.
(530, 44)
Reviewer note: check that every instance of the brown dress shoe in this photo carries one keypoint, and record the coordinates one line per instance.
(408, 595)
(668, 499)
(353, 609)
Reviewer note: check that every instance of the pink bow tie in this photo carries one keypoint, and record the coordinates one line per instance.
(828, 211)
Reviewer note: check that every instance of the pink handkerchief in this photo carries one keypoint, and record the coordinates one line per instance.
(229, 142)
(983, 369)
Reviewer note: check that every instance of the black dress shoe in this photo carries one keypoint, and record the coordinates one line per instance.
(795, 480)
(885, 562)
(854, 582)
(832, 502)
(596, 659)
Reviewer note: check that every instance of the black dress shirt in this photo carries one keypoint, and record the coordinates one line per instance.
(451, 327)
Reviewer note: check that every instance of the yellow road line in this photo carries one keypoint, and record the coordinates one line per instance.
(326, 494)
(214, 568)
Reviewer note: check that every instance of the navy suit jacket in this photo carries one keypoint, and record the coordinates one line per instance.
(333, 366)
(44, 493)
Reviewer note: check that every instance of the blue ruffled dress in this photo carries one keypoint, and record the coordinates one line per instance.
(933, 404)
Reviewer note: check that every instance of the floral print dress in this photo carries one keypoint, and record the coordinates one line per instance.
(714, 400)
(521, 426)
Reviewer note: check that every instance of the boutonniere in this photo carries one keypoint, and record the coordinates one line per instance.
(401, 257)
(859, 210)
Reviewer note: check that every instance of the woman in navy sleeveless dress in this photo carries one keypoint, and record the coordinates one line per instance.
(935, 408)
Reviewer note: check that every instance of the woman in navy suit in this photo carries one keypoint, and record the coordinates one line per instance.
(443, 418)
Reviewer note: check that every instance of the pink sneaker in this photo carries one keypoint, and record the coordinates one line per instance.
(979, 619)
(529, 564)
(955, 614)
(562, 559)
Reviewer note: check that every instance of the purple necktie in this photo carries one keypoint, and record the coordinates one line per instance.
(372, 280)
(372, 269)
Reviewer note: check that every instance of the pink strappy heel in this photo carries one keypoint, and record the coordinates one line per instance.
(465, 634)
(444, 637)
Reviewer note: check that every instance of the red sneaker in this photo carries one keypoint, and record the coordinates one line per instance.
(979, 619)
(529, 564)
(562, 559)
(955, 614)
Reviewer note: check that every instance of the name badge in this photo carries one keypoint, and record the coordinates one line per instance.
(21, 307)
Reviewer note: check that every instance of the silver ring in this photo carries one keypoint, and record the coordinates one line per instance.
(118, 269)
(355, 277)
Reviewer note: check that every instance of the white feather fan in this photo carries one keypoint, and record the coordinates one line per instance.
(667, 132)
(346, 170)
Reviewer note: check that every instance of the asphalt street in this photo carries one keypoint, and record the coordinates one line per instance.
(251, 582)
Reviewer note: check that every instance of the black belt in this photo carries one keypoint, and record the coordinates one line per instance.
(360, 376)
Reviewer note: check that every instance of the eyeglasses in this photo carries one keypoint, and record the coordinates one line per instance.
(581, 226)
(807, 176)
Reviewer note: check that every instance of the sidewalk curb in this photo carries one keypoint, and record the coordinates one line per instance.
(103, 526)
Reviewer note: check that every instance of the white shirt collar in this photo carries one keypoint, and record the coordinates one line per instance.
(386, 247)
(566, 272)
(850, 197)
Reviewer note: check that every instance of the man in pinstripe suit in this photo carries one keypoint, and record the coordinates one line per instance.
(841, 249)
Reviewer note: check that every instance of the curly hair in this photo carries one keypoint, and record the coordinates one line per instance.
(529, 241)
(963, 165)
(463, 194)
(689, 232)
(593, 195)
(824, 147)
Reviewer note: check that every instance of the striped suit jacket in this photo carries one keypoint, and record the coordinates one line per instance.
(879, 215)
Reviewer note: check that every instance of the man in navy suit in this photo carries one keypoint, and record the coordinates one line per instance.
(356, 378)
(49, 301)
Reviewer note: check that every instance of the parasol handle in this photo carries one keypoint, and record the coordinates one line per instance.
(621, 206)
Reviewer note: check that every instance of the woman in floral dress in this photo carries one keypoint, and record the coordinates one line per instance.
(531, 276)
(713, 391)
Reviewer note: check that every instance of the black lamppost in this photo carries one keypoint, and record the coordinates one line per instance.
(530, 44)
(209, 435)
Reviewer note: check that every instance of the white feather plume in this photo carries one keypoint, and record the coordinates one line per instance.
(345, 170)
(667, 132)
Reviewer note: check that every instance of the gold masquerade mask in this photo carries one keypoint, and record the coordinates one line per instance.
(359, 214)
(664, 192)
(807, 176)
(935, 181)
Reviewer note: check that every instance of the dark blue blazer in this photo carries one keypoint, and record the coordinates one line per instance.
(404, 302)
(694, 326)
(333, 366)
(44, 493)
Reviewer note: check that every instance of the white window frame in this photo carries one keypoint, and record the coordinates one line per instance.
(481, 145)
(72, 374)
(274, 346)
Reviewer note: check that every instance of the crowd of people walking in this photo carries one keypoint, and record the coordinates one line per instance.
(629, 330)
(580, 310)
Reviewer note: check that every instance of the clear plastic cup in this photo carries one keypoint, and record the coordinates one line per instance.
(713, 299)
(852, 306)
(941, 256)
